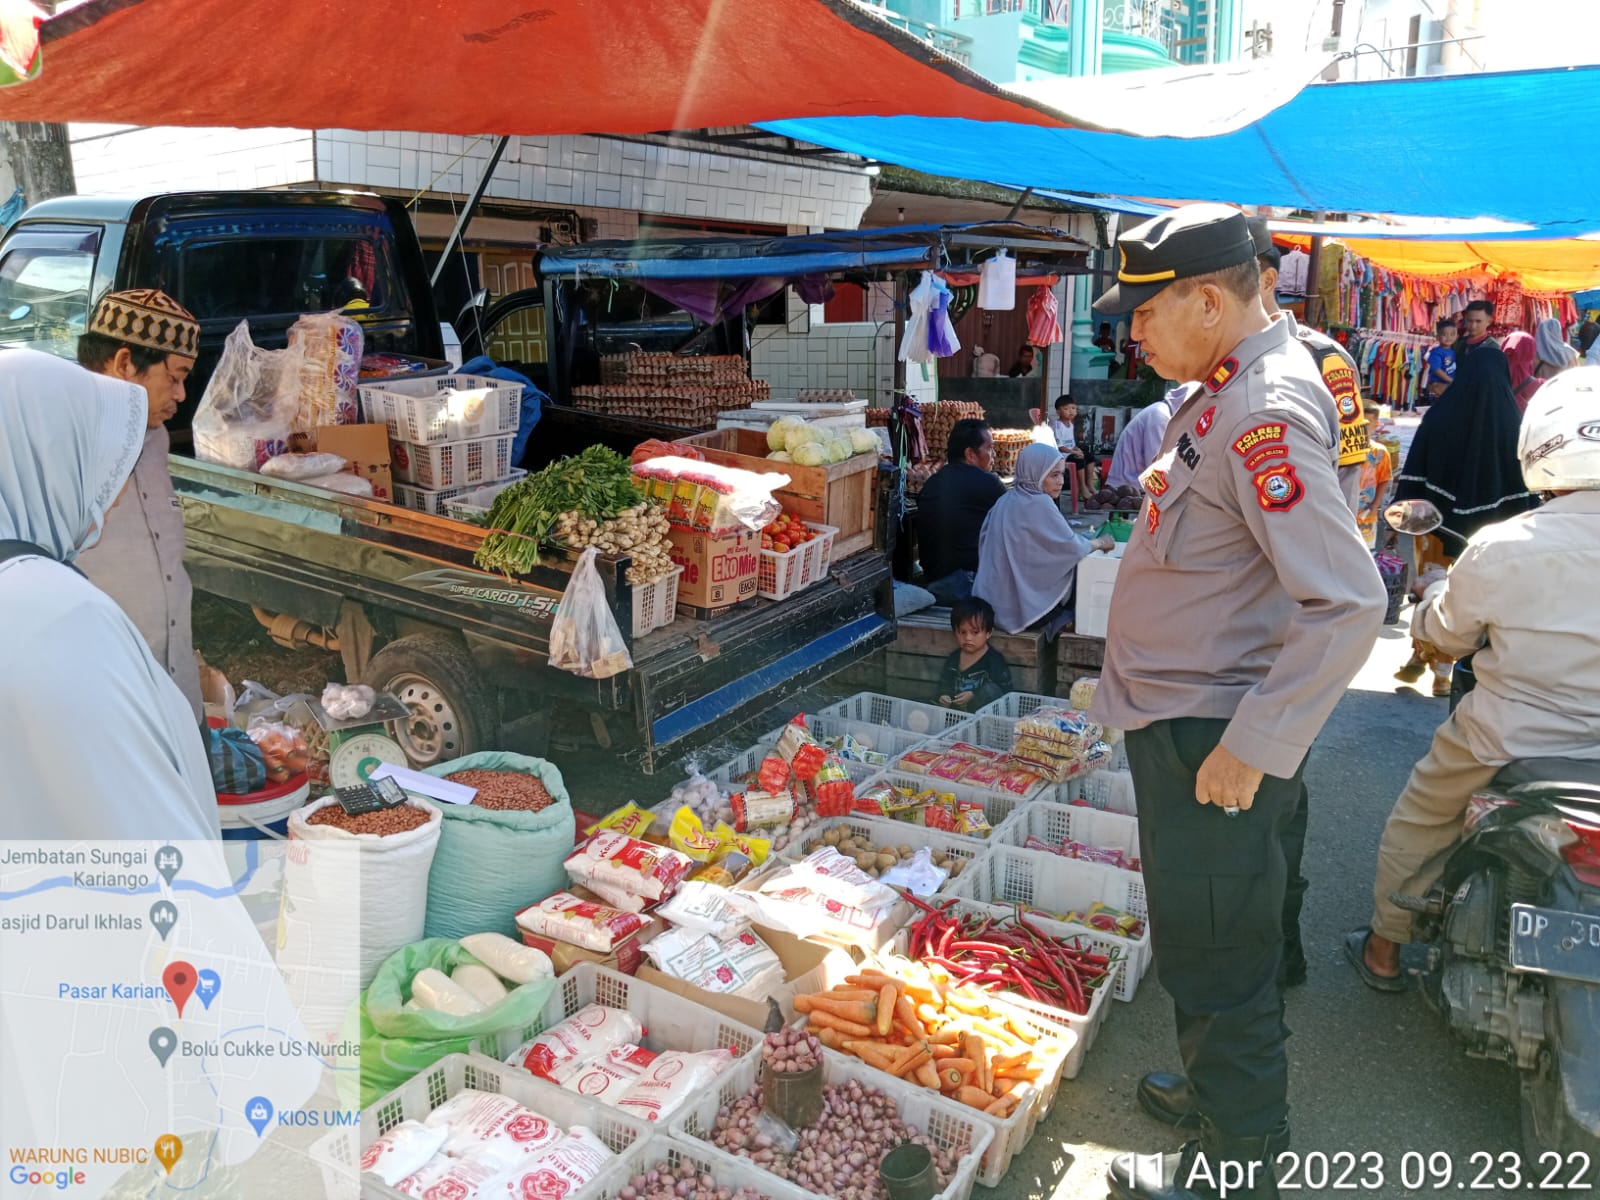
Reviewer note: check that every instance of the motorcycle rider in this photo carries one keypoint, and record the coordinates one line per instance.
(1521, 596)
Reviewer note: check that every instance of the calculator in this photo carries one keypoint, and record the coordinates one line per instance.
(370, 797)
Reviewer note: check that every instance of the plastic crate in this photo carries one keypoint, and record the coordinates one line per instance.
(1084, 1028)
(874, 708)
(997, 806)
(729, 1174)
(948, 1125)
(670, 1021)
(438, 501)
(780, 576)
(882, 832)
(416, 411)
(879, 739)
(473, 503)
(1013, 706)
(655, 605)
(1058, 823)
(339, 1154)
(1107, 791)
(1008, 876)
(452, 464)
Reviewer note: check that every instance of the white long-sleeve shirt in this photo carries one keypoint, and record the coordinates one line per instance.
(1526, 587)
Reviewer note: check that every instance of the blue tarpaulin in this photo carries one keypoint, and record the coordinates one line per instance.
(1446, 146)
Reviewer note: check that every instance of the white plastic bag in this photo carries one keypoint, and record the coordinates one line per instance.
(436, 991)
(510, 960)
(241, 421)
(997, 283)
(345, 702)
(914, 342)
(349, 485)
(303, 466)
(584, 638)
(403, 1151)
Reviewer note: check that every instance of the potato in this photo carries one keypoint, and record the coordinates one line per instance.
(833, 837)
(940, 858)
(865, 861)
(957, 865)
(886, 860)
(906, 851)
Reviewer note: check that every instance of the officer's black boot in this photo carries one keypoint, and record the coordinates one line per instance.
(1169, 1098)
(1212, 1167)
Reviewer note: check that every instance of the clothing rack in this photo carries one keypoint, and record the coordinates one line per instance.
(1392, 364)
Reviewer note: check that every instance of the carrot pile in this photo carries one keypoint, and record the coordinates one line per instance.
(917, 1026)
(1008, 954)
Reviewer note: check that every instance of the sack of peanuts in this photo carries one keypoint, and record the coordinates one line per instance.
(501, 850)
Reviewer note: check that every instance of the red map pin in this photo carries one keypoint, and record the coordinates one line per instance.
(179, 980)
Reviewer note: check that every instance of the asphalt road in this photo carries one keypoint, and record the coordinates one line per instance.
(1371, 1074)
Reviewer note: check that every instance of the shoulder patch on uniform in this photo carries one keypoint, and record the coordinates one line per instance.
(1154, 481)
(1225, 370)
(1278, 489)
(1207, 419)
(1265, 455)
(1254, 439)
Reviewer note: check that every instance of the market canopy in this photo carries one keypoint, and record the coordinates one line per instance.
(1562, 265)
(565, 67)
(1445, 146)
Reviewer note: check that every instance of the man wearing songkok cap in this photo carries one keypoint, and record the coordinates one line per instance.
(1245, 531)
(147, 338)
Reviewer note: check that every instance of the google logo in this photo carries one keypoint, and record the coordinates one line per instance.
(60, 1180)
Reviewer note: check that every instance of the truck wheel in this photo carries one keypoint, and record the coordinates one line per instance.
(452, 712)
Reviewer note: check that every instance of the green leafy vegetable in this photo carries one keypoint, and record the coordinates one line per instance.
(597, 483)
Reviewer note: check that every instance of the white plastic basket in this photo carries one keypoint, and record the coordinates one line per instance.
(997, 806)
(948, 1125)
(732, 1174)
(1108, 791)
(874, 708)
(438, 501)
(452, 464)
(655, 605)
(1008, 876)
(472, 504)
(339, 1153)
(1058, 823)
(893, 833)
(419, 411)
(780, 576)
(1013, 706)
(670, 1021)
(880, 739)
(1085, 1028)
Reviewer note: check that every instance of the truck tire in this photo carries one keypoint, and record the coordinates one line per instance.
(452, 712)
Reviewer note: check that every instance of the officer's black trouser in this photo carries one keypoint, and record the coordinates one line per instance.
(1294, 893)
(1216, 886)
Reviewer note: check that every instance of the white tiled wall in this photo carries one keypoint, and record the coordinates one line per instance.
(122, 160)
(808, 354)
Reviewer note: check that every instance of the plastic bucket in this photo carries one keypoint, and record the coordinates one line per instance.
(262, 814)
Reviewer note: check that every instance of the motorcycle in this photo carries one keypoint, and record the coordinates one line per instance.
(1513, 935)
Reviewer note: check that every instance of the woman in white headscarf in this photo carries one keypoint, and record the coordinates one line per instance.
(1554, 355)
(1027, 553)
(96, 742)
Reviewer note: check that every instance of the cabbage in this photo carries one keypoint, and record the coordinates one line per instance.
(778, 432)
(864, 441)
(780, 456)
(839, 449)
(800, 434)
(810, 454)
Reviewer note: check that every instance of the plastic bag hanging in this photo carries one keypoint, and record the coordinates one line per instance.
(584, 638)
(942, 340)
(914, 342)
(1044, 326)
(997, 283)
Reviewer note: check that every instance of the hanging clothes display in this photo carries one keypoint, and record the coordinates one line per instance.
(1044, 324)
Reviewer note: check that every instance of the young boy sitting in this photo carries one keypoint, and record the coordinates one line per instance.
(1066, 431)
(975, 674)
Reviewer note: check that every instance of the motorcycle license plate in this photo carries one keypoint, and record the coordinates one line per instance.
(1548, 941)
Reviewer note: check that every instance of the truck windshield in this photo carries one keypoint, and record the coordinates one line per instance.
(230, 278)
(45, 281)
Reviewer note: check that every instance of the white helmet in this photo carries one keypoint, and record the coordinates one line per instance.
(1560, 441)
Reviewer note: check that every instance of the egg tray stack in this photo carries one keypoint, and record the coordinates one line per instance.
(1008, 443)
(940, 417)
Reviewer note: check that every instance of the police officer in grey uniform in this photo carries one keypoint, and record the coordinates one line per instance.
(1244, 531)
(147, 338)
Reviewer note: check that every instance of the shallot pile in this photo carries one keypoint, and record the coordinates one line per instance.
(791, 1050)
(839, 1155)
(683, 1182)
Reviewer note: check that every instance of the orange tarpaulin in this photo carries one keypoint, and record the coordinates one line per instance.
(491, 66)
(1567, 265)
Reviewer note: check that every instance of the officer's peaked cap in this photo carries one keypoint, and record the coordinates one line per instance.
(1195, 239)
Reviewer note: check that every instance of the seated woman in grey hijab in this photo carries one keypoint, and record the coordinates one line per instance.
(1027, 553)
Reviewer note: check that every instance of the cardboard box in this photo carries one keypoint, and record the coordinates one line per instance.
(718, 572)
(807, 966)
(367, 448)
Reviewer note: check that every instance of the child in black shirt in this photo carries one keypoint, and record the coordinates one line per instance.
(975, 674)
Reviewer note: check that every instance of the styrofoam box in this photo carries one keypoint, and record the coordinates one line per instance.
(1097, 579)
(997, 806)
(670, 1021)
(1084, 1028)
(1008, 876)
(673, 1151)
(893, 833)
(418, 410)
(1058, 823)
(874, 708)
(339, 1154)
(948, 1125)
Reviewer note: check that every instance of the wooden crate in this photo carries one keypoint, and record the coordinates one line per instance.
(843, 495)
(925, 641)
(1076, 656)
